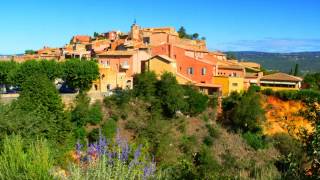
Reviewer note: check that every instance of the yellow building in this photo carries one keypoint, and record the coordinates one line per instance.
(280, 81)
(229, 84)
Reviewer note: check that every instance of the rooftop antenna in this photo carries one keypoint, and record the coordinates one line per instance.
(135, 21)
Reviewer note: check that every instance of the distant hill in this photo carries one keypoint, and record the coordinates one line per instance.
(308, 61)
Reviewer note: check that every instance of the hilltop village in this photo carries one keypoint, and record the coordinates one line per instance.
(122, 55)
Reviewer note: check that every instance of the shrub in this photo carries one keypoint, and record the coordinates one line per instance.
(93, 136)
(95, 113)
(254, 88)
(110, 128)
(243, 112)
(170, 94)
(196, 101)
(187, 144)
(213, 132)
(80, 133)
(21, 161)
(254, 140)
(145, 85)
(208, 140)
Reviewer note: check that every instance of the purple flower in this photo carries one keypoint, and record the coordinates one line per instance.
(125, 151)
(102, 145)
(118, 137)
(149, 170)
(136, 157)
(78, 147)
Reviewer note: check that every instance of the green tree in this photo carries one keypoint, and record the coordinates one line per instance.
(196, 101)
(296, 70)
(195, 36)
(7, 68)
(312, 81)
(171, 94)
(145, 85)
(80, 74)
(231, 56)
(95, 34)
(30, 51)
(182, 32)
(51, 69)
(243, 112)
(38, 112)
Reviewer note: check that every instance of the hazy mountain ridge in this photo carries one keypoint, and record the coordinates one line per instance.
(308, 61)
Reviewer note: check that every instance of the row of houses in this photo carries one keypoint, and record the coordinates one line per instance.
(122, 55)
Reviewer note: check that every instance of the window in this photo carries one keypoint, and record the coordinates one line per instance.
(190, 70)
(204, 71)
(235, 84)
(146, 40)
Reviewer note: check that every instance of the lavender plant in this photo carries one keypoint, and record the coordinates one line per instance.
(112, 160)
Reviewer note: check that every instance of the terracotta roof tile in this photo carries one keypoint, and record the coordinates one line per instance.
(281, 77)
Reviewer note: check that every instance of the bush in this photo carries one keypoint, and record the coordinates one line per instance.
(254, 140)
(93, 136)
(80, 133)
(95, 113)
(196, 101)
(110, 128)
(213, 132)
(254, 88)
(21, 161)
(170, 94)
(243, 112)
(208, 140)
(187, 144)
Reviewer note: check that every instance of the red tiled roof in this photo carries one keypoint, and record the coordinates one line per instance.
(281, 77)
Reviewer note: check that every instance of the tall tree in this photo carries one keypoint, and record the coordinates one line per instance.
(171, 95)
(296, 70)
(80, 74)
(182, 32)
(195, 36)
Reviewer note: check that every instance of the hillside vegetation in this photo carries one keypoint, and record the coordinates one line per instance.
(308, 61)
(157, 130)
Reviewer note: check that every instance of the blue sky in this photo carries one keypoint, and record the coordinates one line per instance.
(259, 25)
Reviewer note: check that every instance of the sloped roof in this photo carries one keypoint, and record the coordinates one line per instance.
(165, 58)
(281, 77)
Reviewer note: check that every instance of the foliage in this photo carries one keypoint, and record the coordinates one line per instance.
(309, 62)
(243, 112)
(18, 160)
(103, 160)
(51, 69)
(7, 68)
(296, 70)
(256, 141)
(95, 113)
(292, 159)
(171, 93)
(79, 74)
(145, 85)
(312, 81)
(231, 56)
(30, 51)
(306, 95)
(196, 101)
(109, 129)
(37, 112)
(183, 34)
